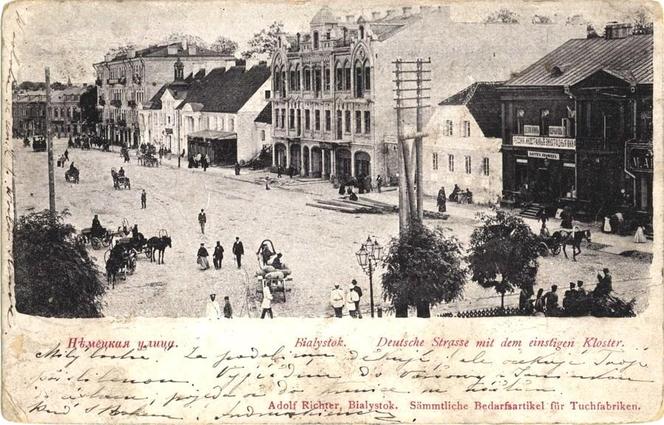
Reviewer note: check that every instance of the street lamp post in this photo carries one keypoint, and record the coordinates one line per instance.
(369, 255)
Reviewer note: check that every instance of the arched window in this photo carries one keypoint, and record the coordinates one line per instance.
(359, 78)
(339, 76)
(347, 76)
(291, 81)
(367, 76)
(298, 84)
(283, 81)
(315, 39)
(276, 75)
(361, 32)
(307, 78)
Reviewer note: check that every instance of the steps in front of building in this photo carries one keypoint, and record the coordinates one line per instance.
(530, 211)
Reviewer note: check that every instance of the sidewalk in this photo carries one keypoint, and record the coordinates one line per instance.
(604, 242)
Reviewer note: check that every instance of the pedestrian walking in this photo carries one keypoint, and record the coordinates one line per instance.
(291, 170)
(358, 291)
(279, 171)
(144, 199)
(639, 236)
(202, 257)
(67, 154)
(351, 297)
(237, 168)
(266, 304)
(441, 200)
(218, 255)
(212, 309)
(238, 250)
(228, 310)
(205, 162)
(267, 183)
(202, 219)
(337, 301)
(379, 183)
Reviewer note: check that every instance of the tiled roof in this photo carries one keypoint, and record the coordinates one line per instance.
(265, 115)
(178, 88)
(227, 90)
(577, 59)
(483, 103)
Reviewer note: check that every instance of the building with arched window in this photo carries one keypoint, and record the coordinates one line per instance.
(338, 119)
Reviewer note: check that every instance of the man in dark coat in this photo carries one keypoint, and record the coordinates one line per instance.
(97, 230)
(218, 255)
(604, 285)
(566, 218)
(202, 219)
(201, 257)
(442, 200)
(238, 250)
(237, 168)
(358, 290)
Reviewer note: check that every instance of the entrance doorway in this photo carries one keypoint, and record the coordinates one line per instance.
(343, 159)
(362, 164)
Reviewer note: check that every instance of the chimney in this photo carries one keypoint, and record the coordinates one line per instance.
(614, 30)
(406, 10)
(299, 36)
(375, 16)
(350, 18)
(184, 44)
(131, 52)
(107, 57)
(391, 13)
(192, 49)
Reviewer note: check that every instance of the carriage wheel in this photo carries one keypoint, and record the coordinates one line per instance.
(543, 249)
(556, 250)
(96, 243)
(131, 265)
(106, 241)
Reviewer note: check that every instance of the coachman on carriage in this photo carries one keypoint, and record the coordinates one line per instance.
(120, 181)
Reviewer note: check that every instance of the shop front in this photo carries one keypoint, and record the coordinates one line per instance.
(639, 168)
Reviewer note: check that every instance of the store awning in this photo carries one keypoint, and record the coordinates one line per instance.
(212, 135)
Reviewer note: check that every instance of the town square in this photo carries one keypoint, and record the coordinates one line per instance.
(342, 165)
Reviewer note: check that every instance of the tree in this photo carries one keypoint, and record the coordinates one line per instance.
(32, 86)
(502, 16)
(224, 45)
(54, 276)
(503, 254)
(424, 268)
(88, 105)
(58, 86)
(641, 20)
(264, 43)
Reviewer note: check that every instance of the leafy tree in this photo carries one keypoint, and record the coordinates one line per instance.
(424, 268)
(503, 16)
(54, 276)
(641, 20)
(58, 86)
(264, 43)
(224, 45)
(32, 86)
(503, 254)
(88, 105)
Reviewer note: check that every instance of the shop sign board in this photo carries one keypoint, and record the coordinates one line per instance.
(544, 142)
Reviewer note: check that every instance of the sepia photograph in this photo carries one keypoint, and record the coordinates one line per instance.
(222, 160)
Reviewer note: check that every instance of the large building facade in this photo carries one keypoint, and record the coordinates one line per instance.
(29, 112)
(128, 79)
(333, 104)
(577, 125)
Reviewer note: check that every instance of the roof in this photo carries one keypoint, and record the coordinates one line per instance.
(57, 96)
(265, 116)
(324, 16)
(161, 50)
(227, 90)
(483, 103)
(213, 134)
(178, 89)
(577, 59)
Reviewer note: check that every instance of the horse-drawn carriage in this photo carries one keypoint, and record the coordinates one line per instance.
(560, 238)
(148, 160)
(99, 239)
(120, 181)
(121, 259)
(39, 144)
(72, 175)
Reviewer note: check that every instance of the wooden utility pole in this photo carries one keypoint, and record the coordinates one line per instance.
(411, 204)
(49, 144)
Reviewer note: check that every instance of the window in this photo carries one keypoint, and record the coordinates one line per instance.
(169, 119)
(307, 79)
(434, 161)
(339, 74)
(328, 120)
(466, 129)
(468, 165)
(544, 122)
(267, 94)
(485, 166)
(450, 163)
(359, 79)
(367, 76)
(283, 120)
(358, 122)
(307, 119)
(347, 116)
(347, 76)
(262, 135)
(361, 31)
(299, 121)
(326, 76)
(298, 85)
(291, 119)
(520, 114)
(317, 80)
(231, 122)
(448, 130)
(367, 122)
(315, 39)
(317, 120)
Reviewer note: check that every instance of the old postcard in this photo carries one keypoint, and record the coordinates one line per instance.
(332, 212)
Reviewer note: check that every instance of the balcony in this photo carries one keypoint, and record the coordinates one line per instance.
(116, 103)
(113, 81)
(132, 104)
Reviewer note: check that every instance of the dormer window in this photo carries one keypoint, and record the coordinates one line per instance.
(315, 39)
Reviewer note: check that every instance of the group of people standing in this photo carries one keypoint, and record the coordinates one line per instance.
(576, 300)
(350, 300)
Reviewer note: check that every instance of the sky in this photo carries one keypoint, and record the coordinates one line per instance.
(70, 35)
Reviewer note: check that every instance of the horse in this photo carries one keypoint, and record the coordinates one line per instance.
(113, 267)
(574, 239)
(158, 244)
